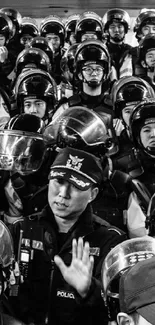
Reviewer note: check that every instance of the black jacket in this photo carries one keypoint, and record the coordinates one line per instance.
(45, 280)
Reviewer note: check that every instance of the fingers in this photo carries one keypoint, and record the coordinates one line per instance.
(81, 250)
(61, 265)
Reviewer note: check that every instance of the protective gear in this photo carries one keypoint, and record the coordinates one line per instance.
(129, 90)
(36, 83)
(142, 111)
(89, 22)
(6, 27)
(119, 260)
(32, 58)
(147, 43)
(53, 25)
(116, 15)
(15, 16)
(146, 16)
(92, 50)
(80, 128)
(28, 27)
(70, 26)
(22, 146)
(41, 43)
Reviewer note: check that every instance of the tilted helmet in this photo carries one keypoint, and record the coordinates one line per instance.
(6, 27)
(70, 25)
(147, 43)
(15, 16)
(116, 15)
(28, 27)
(146, 16)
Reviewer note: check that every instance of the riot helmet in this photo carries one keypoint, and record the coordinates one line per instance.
(29, 28)
(40, 42)
(70, 26)
(116, 15)
(89, 22)
(122, 257)
(92, 51)
(6, 27)
(32, 58)
(22, 146)
(67, 61)
(129, 91)
(145, 17)
(53, 25)
(143, 116)
(36, 84)
(146, 44)
(15, 16)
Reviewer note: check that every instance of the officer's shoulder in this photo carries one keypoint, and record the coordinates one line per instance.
(106, 226)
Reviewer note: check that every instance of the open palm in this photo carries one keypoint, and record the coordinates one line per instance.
(79, 273)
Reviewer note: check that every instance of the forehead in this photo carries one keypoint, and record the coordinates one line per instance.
(150, 125)
(149, 26)
(151, 51)
(32, 99)
(52, 36)
(116, 23)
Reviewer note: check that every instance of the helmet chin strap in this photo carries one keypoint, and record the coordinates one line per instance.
(150, 151)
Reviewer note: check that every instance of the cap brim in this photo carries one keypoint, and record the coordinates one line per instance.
(148, 312)
(80, 182)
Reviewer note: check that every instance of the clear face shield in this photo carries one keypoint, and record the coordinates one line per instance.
(79, 121)
(21, 151)
(6, 246)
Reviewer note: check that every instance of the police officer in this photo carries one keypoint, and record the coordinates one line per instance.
(70, 25)
(74, 181)
(28, 31)
(89, 26)
(116, 25)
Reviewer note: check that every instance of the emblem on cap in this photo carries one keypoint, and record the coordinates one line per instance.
(74, 162)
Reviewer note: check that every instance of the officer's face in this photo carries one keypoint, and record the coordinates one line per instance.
(2, 40)
(150, 58)
(72, 39)
(65, 200)
(26, 40)
(34, 106)
(88, 36)
(53, 41)
(93, 72)
(147, 135)
(147, 29)
(116, 31)
(126, 113)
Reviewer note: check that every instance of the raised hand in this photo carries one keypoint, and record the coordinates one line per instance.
(79, 273)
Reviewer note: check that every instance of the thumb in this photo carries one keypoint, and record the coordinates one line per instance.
(61, 265)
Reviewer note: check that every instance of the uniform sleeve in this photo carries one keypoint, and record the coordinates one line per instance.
(135, 217)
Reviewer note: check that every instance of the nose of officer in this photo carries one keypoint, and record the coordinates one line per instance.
(33, 109)
(64, 190)
(153, 132)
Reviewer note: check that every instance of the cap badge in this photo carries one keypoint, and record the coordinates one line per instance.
(74, 162)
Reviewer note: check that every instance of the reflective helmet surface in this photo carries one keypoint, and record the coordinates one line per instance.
(130, 90)
(93, 50)
(39, 84)
(67, 61)
(6, 26)
(15, 16)
(146, 43)
(53, 25)
(144, 110)
(89, 22)
(32, 57)
(117, 15)
(70, 25)
(146, 16)
(28, 27)
(40, 42)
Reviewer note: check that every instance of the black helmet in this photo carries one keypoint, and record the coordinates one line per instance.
(146, 43)
(28, 27)
(40, 42)
(15, 16)
(30, 58)
(144, 110)
(37, 83)
(22, 145)
(80, 128)
(89, 22)
(129, 90)
(146, 16)
(6, 27)
(67, 61)
(92, 50)
(118, 15)
(70, 25)
(53, 25)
